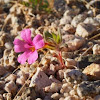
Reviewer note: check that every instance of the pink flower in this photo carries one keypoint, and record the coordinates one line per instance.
(28, 46)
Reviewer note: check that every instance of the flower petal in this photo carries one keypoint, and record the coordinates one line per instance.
(23, 57)
(38, 41)
(26, 35)
(33, 57)
(19, 45)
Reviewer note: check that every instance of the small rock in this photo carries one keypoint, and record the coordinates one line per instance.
(96, 49)
(48, 96)
(60, 74)
(77, 19)
(69, 98)
(62, 98)
(93, 71)
(8, 45)
(85, 30)
(1, 97)
(51, 70)
(69, 28)
(75, 44)
(38, 99)
(84, 61)
(29, 93)
(65, 20)
(54, 87)
(90, 13)
(55, 96)
(21, 77)
(70, 63)
(71, 12)
(2, 70)
(92, 21)
(59, 6)
(97, 97)
(66, 88)
(7, 96)
(40, 79)
(53, 79)
(11, 77)
(2, 84)
(10, 87)
(98, 18)
(88, 88)
(74, 75)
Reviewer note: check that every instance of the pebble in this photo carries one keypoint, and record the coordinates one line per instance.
(54, 87)
(85, 30)
(96, 49)
(77, 19)
(21, 78)
(60, 74)
(71, 12)
(65, 20)
(53, 79)
(40, 79)
(62, 98)
(59, 6)
(11, 77)
(93, 71)
(8, 45)
(66, 88)
(98, 18)
(2, 70)
(7, 96)
(97, 97)
(29, 93)
(69, 28)
(1, 97)
(11, 87)
(55, 96)
(89, 88)
(75, 43)
(69, 98)
(92, 21)
(2, 84)
(38, 99)
(70, 63)
(74, 75)
(51, 70)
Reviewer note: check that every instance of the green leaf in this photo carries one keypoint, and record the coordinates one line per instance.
(54, 37)
(59, 37)
(47, 35)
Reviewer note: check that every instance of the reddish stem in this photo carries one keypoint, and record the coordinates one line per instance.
(60, 59)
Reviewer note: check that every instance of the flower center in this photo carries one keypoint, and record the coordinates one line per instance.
(32, 49)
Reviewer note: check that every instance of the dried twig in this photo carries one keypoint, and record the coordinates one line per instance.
(95, 36)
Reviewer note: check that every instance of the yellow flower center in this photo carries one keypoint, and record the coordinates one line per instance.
(32, 49)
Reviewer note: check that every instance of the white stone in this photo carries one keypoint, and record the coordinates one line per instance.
(96, 49)
(85, 30)
(77, 19)
(21, 77)
(65, 20)
(93, 21)
(40, 79)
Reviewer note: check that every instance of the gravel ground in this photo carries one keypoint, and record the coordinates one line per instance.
(46, 79)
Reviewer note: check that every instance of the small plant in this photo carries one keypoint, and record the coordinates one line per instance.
(29, 47)
(54, 41)
(38, 5)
